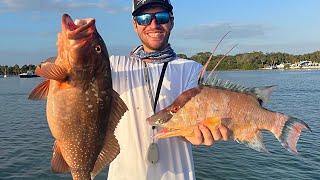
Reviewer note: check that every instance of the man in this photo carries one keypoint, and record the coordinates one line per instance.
(136, 79)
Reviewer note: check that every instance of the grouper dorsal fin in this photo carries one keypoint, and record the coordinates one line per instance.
(261, 93)
(111, 148)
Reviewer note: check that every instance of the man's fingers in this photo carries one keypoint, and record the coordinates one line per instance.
(207, 137)
(216, 134)
(197, 138)
(203, 135)
(224, 132)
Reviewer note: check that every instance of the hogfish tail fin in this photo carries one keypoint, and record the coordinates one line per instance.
(288, 134)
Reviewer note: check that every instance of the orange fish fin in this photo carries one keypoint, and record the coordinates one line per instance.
(212, 122)
(255, 142)
(52, 71)
(108, 153)
(58, 164)
(41, 91)
(290, 133)
(111, 147)
(50, 59)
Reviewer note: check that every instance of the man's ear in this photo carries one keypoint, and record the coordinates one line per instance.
(172, 24)
(134, 24)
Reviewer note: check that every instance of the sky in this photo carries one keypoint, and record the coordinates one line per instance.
(28, 28)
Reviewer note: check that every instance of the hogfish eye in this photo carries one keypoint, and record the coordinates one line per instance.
(98, 49)
(175, 109)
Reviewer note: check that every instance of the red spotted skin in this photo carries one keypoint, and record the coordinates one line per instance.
(77, 119)
(78, 108)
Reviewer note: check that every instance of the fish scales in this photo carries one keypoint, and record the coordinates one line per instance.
(82, 108)
(239, 109)
(215, 102)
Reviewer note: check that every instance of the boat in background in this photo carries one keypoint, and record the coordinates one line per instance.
(28, 74)
(5, 73)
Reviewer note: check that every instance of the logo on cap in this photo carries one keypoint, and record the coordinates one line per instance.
(138, 4)
(144, 1)
(141, 2)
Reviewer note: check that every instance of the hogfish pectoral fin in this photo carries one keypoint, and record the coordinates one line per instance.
(111, 147)
(52, 71)
(41, 91)
(212, 123)
(255, 142)
(58, 164)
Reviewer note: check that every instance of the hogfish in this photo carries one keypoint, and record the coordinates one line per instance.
(82, 108)
(215, 102)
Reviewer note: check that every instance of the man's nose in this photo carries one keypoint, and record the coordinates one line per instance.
(154, 23)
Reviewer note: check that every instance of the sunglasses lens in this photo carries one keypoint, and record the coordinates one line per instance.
(162, 17)
(145, 19)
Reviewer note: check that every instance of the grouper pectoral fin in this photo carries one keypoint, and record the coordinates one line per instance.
(52, 71)
(58, 164)
(111, 147)
(41, 91)
(50, 59)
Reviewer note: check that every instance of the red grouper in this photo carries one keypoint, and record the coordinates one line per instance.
(216, 102)
(82, 108)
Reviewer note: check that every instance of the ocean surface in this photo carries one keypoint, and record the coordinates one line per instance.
(26, 143)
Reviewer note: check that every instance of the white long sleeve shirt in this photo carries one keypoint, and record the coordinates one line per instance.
(133, 132)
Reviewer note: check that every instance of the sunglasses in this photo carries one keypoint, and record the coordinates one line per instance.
(146, 18)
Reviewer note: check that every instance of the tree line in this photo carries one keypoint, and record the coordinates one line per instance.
(252, 60)
(244, 61)
(16, 69)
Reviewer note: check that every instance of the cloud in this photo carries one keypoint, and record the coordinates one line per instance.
(212, 32)
(60, 5)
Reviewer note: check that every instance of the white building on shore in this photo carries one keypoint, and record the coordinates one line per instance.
(297, 65)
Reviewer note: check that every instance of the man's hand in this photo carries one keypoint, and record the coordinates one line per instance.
(204, 136)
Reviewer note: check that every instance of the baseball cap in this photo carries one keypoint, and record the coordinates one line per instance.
(140, 5)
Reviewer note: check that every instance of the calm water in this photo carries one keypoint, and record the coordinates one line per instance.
(25, 141)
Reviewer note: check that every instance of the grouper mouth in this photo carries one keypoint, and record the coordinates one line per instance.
(78, 28)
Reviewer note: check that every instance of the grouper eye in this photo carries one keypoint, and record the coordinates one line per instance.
(98, 49)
